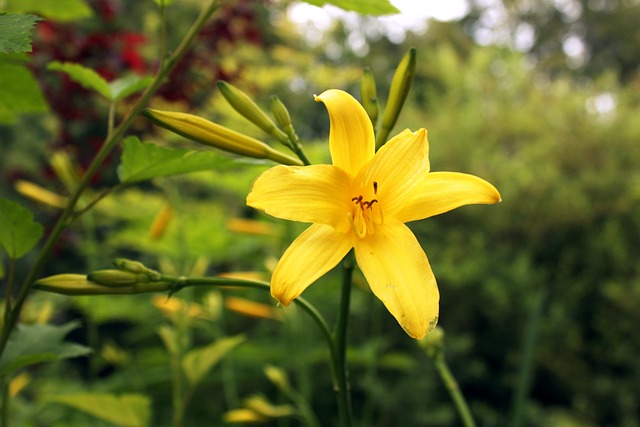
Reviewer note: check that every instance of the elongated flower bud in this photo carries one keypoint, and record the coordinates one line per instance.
(369, 97)
(214, 135)
(278, 377)
(42, 195)
(281, 114)
(136, 267)
(243, 104)
(63, 167)
(400, 86)
(68, 284)
(116, 278)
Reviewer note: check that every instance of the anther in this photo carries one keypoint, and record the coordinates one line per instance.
(375, 187)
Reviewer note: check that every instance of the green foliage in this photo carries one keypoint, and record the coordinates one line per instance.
(114, 91)
(125, 410)
(18, 232)
(15, 32)
(126, 86)
(19, 90)
(88, 78)
(60, 10)
(141, 162)
(31, 344)
(366, 7)
(199, 361)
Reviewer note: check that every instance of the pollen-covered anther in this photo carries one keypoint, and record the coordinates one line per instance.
(364, 204)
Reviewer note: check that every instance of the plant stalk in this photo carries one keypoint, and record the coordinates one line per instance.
(340, 343)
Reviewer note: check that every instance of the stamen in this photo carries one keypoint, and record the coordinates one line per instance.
(375, 188)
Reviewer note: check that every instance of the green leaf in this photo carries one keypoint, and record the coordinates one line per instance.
(126, 410)
(15, 32)
(199, 361)
(19, 90)
(59, 10)
(125, 86)
(145, 161)
(30, 344)
(365, 7)
(18, 232)
(84, 76)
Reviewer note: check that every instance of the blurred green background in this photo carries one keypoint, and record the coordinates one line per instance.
(542, 99)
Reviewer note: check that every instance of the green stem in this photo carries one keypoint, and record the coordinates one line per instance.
(526, 365)
(109, 144)
(340, 343)
(4, 386)
(297, 148)
(451, 385)
(8, 302)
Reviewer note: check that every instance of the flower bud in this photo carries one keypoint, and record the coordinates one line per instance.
(69, 284)
(368, 95)
(262, 406)
(281, 114)
(243, 415)
(116, 278)
(63, 167)
(137, 268)
(400, 86)
(215, 135)
(278, 377)
(39, 194)
(244, 105)
(433, 343)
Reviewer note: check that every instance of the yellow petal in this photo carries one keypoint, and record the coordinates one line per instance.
(316, 251)
(397, 168)
(317, 194)
(440, 192)
(351, 138)
(399, 274)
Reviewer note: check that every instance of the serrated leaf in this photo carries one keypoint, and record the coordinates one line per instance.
(30, 344)
(19, 90)
(59, 10)
(145, 161)
(126, 410)
(125, 86)
(198, 362)
(15, 32)
(365, 7)
(19, 233)
(88, 78)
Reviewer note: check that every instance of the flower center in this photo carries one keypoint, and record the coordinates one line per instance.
(365, 213)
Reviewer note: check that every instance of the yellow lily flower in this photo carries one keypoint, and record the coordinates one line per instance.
(362, 202)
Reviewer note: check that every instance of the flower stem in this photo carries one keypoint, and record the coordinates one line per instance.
(523, 385)
(340, 343)
(451, 385)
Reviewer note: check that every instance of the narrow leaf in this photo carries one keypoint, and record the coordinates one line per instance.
(83, 75)
(125, 86)
(30, 344)
(365, 7)
(15, 32)
(145, 161)
(18, 232)
(198, 362)
(127, 410)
